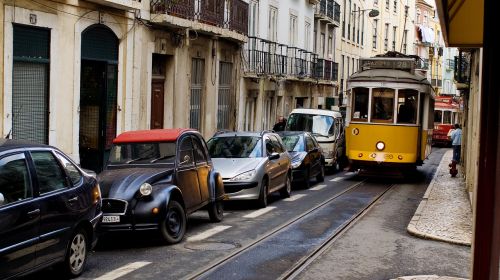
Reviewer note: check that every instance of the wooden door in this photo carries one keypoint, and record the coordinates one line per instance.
(157, 103)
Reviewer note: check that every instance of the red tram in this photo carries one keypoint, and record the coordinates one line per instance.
(446, 114)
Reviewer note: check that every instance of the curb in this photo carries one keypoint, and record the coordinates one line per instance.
(412, 226)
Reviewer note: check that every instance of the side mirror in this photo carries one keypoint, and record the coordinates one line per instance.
(185, 160)
(2, 199)
(274, 156)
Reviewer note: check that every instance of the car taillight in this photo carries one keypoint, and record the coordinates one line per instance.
(96, 194)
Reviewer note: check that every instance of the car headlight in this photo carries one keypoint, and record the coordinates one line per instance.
(146, 189)
(244, 176)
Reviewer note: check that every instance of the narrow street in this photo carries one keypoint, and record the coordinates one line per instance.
(280, 241)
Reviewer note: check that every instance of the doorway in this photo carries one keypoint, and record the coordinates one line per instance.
(98, 96)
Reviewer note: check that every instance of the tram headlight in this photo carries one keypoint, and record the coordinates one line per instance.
(380, 145)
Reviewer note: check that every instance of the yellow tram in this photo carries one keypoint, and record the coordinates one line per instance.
(390, 114)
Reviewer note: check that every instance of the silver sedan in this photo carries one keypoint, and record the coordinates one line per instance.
(252, 164)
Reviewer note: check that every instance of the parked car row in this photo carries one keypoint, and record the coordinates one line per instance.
(52, 210)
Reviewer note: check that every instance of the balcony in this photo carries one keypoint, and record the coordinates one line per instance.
(120, 4)
(422, 64)
(462, 68)
(328, 10)
(265, 57)
(225, 18)
(326, 70)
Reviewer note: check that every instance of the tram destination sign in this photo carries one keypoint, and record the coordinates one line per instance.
(407, 64)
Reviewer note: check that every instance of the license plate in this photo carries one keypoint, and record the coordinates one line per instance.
(111, 219)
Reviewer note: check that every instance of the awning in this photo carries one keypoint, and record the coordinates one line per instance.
(461, 22)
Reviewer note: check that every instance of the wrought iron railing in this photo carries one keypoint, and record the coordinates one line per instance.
(231, 14)
(422, 63)
(462, 68)
(264, 57)
(330, 9)
(326, 70)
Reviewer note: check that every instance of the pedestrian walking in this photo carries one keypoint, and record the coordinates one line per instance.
(280, 125)
(456, 142)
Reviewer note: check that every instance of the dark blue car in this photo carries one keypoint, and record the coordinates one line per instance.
(49, 210)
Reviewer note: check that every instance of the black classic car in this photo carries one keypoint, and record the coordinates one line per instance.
(49, 210)
(307, 156)
(154, 178)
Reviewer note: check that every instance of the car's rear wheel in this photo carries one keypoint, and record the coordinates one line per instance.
(262, 202)
(173, 226)
(76, 256)
(216, 211)
(286, 191)
(321, 176)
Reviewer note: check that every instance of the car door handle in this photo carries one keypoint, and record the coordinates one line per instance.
(74, 199)
(34, 213)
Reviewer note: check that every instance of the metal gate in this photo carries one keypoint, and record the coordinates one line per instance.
(225, 96)
(30, 84)
(197, 75)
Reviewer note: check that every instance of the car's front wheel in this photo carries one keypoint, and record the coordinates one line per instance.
(262, 202)
(76, 256)
(216, 211)
(173, 226)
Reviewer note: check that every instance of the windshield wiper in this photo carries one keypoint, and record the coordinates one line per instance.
(136, 159)
(160, 158)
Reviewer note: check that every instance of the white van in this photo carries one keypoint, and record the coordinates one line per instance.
(327, 126)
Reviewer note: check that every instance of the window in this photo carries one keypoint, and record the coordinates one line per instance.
(419, 16)
(447, 117)
(349, 22)
(382, 105)
(342, 68)
(362, 31)
(71, 170)
(293, 30)
(30, 83)
(309, 144)
(374, 41)
(225, 95)
(394, 31)
(386, 38)
(235, 147)
(348, 68)
(49, 174)
(395, 6)
(253, 19)
(354, 23)
(322, 45)
(186, 152)
(197, 81)
(277, 146)
(307, 38)
(405, 35)
(330, 48)
(407, 106)
(353, 65)
(15, 182)
(360, 109)
(438, 116)
(314, 41)
(199, 151)
(273, 23)
(343, 20)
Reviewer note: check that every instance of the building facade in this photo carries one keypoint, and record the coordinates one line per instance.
(76, 74)
(284, 67)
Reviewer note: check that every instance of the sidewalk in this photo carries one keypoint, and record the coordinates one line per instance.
(444, 214)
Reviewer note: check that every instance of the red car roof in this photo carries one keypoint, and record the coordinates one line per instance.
(153, 135)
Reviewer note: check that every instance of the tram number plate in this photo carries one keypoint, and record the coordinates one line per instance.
(111, 219)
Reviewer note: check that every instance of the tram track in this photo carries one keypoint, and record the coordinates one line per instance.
(213, 269)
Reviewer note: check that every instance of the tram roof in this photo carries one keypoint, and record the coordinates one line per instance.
(388, 75)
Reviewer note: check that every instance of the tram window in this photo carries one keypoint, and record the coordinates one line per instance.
(407, 106)
(438, 114)
(382, 105)
(447, 117)
(360, 110)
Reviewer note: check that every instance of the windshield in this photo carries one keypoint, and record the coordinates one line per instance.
(293, 143)
(317, 124)
(235, 147)
(142, 153)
